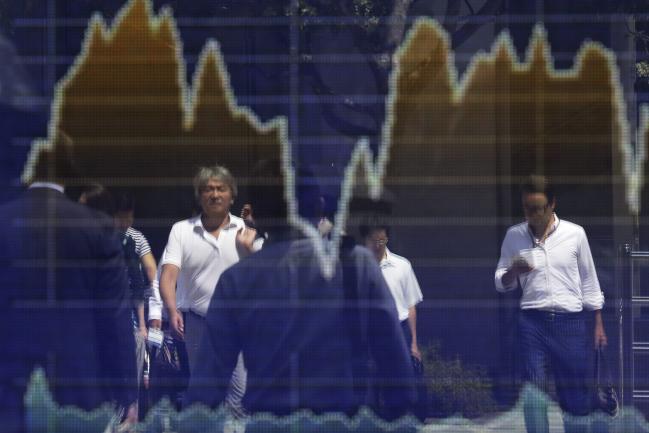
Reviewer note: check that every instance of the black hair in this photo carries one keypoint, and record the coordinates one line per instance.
(99, 198)
(55, 164)
(366, 229)
(536, 183)
(124, 203)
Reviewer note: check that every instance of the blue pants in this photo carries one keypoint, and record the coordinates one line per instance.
(560, 342)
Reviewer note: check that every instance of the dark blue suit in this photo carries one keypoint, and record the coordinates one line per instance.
(307, 342)
(63, 305)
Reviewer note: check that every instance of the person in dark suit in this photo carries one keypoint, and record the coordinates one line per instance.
(308, 341)
(63, 300)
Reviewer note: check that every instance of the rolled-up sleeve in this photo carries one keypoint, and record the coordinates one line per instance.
(507, 252)
(593, 298)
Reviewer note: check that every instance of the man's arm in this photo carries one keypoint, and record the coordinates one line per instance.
(413, 296)
(168, 278)
(518, 267)
(509, 267)
(171, 262)
(412, 323)
(600, 335)
(155, 304)
(245, 241)
(592, 296)
(149, 266)
(141, 321)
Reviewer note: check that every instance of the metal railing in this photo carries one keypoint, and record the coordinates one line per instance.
(634, 390)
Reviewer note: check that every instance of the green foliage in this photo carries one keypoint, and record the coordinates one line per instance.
(455, 388)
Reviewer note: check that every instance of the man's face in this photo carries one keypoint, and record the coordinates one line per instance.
(538, 211)
(215, 198)
(123, 220)
(376, 242)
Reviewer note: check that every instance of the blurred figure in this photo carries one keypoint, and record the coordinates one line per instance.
(405, 290)
(139, 245)
(401, 279)
(309, 342)
(64, 300)
(99, 198)
(550, 260)
(124, 217)
(247, 216)
(199, 249)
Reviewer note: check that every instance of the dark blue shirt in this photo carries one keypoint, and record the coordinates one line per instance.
(307, 342)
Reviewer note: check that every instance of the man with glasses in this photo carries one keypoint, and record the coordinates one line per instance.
(401, 280)
(550, 260)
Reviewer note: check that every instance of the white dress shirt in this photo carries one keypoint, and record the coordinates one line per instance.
(564, 277)
(402, 282)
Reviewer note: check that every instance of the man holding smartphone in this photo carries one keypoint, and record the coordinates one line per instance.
(550, 260)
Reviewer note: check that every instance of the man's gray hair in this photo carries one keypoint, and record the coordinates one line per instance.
(204, 174)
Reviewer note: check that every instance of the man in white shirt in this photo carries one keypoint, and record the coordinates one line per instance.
(401, 280)
(199, 249)
(550, 260)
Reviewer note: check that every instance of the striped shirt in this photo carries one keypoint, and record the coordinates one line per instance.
(142, 247)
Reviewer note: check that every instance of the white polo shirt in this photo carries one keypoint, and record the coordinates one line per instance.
(399, 275)
(564, 277)
(201, 258)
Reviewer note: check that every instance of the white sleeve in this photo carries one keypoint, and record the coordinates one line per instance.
(411, 290)
(257, 245)
(593, 298)
(507, 253)
(173, 252)
(155, 301)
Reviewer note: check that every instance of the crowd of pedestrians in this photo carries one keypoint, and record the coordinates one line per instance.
(238, 312)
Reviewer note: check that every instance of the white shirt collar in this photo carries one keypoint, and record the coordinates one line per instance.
(387, 260)
(50, 185)
(198, 222)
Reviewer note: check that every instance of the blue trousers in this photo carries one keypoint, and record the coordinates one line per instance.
(558, 342)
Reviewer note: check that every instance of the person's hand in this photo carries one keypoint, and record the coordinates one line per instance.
(245, 240)
(177, 325)
(155, 323)
(414, 350)
(600, 336)
(143, 331)
(520, 266)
